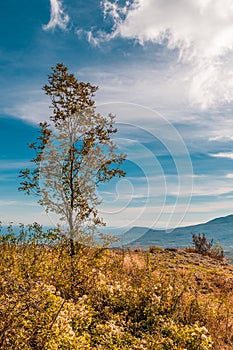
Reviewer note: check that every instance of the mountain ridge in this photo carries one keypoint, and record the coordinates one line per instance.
(219, 229)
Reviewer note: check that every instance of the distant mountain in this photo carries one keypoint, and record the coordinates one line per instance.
(219, 229)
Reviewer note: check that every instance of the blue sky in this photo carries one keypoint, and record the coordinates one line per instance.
(168, 80)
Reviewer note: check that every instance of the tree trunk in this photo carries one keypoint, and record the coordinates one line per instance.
(72, 248)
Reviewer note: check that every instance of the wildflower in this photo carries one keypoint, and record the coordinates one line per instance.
(204, 329)
(204, 337)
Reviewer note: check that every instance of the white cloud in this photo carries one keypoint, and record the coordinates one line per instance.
(229, 176)
(24, 213)
(89, 36)
(7, 202)
(57, 16)
(228, 155)
(114, 10)
(160, 89)
(221, 138)
(156, 208)
(33, 108)
(12, 165)
(154, 217)
(201, 30)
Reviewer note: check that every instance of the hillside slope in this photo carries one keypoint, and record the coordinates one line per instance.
(219, 229)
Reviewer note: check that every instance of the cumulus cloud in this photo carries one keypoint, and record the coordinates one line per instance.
(58, 18)
(201, 31)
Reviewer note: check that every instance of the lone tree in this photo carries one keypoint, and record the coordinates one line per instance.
(74, 154)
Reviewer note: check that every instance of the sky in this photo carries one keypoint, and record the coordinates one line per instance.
(163, 67)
